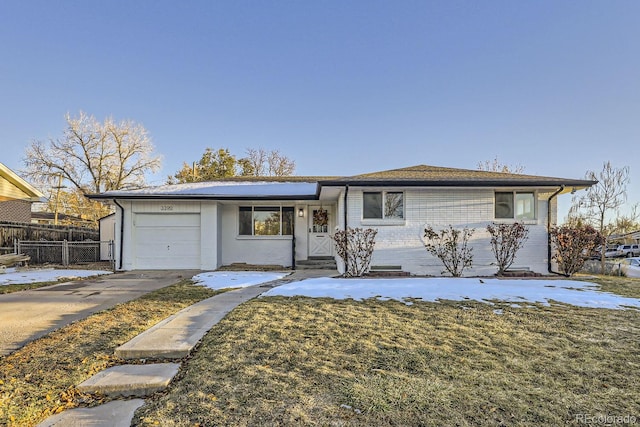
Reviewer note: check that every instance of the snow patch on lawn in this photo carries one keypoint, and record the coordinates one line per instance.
(236, 279)
(520, 292)
(12, 276)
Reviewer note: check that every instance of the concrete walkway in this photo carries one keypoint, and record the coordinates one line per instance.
(28, 315)
(171, 339)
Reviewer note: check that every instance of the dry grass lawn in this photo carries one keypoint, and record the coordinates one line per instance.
(39, 379)
(304, 361)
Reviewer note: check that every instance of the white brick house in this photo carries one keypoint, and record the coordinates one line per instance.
(285, 221)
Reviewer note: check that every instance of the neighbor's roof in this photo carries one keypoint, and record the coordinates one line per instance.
(307, 188)
(12, 187)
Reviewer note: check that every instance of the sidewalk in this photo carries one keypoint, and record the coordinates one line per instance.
(171, 339)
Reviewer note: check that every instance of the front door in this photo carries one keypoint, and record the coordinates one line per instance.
(320, 243)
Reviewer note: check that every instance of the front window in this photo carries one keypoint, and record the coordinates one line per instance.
(265, 221)
(383, 205)
(515, 205)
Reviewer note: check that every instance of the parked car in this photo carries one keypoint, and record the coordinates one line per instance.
(628, 250)
(610, 252)
(630, 267)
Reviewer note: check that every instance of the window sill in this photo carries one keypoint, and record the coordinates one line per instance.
(383, 222)
(263, 237)
(511, 221)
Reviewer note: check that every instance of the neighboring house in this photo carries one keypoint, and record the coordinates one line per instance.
(16, 196)
(282, 221)
(49, 218)
(107, 234)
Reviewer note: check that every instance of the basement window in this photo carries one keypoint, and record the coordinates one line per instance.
(265, 221)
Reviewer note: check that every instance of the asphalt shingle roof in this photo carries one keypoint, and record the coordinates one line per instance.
(441, 176)
(299, 186)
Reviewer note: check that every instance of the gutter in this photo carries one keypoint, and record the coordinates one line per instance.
(121, 231)
(549, 267)
(346, 194)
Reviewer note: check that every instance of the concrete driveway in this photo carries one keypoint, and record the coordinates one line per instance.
(28, 315)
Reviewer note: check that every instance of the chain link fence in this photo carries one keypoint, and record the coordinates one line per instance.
(66, 253)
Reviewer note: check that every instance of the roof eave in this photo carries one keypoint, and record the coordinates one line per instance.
(197, 197)
(578, 184)
(34, 194)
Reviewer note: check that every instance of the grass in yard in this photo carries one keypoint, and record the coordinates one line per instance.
(7, 289)
(304, 361)
(625, 286)
(39, 379)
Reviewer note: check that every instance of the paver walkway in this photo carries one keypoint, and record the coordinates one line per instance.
(172, 338)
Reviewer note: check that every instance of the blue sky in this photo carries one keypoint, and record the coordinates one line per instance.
(340, 87)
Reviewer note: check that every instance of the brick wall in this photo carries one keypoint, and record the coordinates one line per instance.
(400, 242)
(15, 211)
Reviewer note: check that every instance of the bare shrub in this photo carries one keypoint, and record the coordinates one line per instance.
(355, 247)
(451, 246)
(572, 245)
(506, 241)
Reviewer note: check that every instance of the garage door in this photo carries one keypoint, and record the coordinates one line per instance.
(167, 241)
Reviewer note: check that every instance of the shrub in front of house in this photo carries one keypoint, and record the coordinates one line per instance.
(355, 247)
(451, 246)
(506, 241)
(571, 244)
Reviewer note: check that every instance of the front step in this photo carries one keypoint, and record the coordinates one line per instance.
(317, 263)
(117, 413)
(131, 380)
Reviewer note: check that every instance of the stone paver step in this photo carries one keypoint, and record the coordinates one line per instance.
(131, 380)
(118, 413)
(177, 335)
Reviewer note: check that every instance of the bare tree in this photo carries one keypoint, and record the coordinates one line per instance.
(627, 223)
(260, 162)
(496, 166)
(279, 165)
(601, 203)
(256, 162)
(77, 208)
(94, 157)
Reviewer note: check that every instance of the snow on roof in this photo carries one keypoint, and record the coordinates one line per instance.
(223, 189)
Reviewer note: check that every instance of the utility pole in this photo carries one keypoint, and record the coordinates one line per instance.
(55, 217)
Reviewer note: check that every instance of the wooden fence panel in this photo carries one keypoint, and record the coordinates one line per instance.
(10, 231)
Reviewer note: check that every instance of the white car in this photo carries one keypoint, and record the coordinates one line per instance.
(628, 250)
(630, 267)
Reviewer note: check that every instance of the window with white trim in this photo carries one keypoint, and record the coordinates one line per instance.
(382, 205)
(265, 221)
(515, 205)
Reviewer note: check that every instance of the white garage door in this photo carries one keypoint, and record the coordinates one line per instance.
(167, 241)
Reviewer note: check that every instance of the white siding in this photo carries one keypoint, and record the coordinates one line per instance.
(401, 242)
(165, 235)
(267, 250)
(107, 233)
